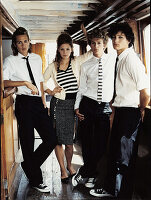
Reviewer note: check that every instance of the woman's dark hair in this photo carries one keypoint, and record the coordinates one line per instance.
(124, 28)
(97, 33)
(64, 38)
(19, 31)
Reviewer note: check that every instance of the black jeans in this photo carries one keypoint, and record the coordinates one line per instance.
(31, 114)
(123, 152)
(94, 131)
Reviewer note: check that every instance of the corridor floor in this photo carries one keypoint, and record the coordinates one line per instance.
(60, 191)
(51, 174)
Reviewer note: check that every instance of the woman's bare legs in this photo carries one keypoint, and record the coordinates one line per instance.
(60, 157)
(69, 155)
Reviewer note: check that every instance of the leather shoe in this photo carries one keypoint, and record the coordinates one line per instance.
(65, 180)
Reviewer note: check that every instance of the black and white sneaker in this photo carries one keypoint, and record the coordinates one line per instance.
(42, 188)
(100, 193)
(76, 179)
(90, 183)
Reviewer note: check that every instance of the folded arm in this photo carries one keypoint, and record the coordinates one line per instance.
(9, 83)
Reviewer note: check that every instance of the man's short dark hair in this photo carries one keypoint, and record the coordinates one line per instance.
(97, 33)
(124, 28)
(19, 31)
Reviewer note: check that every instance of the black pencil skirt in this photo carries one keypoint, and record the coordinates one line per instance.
(63, 115)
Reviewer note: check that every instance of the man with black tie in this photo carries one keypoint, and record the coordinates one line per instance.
(23, 70)
(130, 99)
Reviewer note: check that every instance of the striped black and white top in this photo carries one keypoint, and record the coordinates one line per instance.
(67, 80)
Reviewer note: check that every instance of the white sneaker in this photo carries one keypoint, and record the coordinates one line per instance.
(76, 179)
(42, 188)
(90, 183)
(100, 193)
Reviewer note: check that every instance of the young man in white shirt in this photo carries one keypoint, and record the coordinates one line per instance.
(92, 106)
(131, 98)
(23, 70)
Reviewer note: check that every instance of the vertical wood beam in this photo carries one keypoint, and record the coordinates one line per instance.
(3, 161)
(40, 49)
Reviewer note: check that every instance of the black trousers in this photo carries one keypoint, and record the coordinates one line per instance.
(94, 131)
(123, 152)
(31, 114)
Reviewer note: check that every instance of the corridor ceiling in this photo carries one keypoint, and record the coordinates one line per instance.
(46, 19)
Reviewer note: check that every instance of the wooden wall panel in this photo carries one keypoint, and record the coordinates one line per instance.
(3, 163)
(9, 138)
(39, 48)
(8, 165)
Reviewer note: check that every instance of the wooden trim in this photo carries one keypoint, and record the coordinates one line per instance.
(7, 21)
(8, 167)
(3, 162)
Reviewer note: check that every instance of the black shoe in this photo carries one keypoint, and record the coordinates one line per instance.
(65, 180)
(71, 175)
(42, 188)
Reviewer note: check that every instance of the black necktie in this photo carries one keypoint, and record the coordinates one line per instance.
(115, 74)
(30, 72)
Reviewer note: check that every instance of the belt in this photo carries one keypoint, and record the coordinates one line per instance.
(71, 96)
(24, 97)
(92, 101)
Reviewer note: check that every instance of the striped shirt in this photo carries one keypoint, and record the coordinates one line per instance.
(67, 80)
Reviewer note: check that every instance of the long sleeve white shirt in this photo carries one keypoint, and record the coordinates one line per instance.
(89, 79)
(15, 69)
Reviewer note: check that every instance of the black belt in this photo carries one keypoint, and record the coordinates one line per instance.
(24, 97)
(71, 96)
(94, 102)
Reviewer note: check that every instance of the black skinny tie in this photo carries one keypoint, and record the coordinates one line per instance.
(30, 72)
(115, 74)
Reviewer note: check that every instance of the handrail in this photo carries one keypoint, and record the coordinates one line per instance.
(9, 91)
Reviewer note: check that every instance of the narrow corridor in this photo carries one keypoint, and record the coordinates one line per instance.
(51, 174)
(59, 191)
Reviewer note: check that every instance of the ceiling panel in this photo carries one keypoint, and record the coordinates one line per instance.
(46, 19)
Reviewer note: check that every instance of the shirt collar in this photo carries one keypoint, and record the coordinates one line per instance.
(125, 52)
(21, 56)
(103, 57)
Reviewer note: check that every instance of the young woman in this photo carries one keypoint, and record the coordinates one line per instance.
(64, 71)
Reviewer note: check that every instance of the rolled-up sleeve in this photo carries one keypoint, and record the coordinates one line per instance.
(138, 74)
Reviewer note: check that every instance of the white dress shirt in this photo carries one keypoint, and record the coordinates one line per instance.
(131, 78)
(15, 69)
(89, 79)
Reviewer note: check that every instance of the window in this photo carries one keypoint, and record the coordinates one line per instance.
(147, 47)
